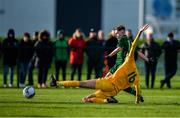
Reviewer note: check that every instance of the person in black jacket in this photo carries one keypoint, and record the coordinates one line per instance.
(31, 65)
(152, 51)
(44, 53)
(25, 55)
(171, 48)
(102, 40)
(10, 53)
(110, 45)
(94, 54)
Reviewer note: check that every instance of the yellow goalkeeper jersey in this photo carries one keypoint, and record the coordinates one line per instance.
(127, 74)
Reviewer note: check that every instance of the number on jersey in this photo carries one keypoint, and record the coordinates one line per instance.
(131, 77)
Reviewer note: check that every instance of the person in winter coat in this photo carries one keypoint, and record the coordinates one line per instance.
(10, 54)
(77, 45)
(44, 53)
(170, 47)
(31, 65)
(152, 51)
(94, 53)
(61, 54)
(25, 55)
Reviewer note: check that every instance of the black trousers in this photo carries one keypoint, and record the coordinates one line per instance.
(60, 65)
(150, 68)
(42, 74)
(96, 65)
(77, 67)
(30, 73)
(31, 67)
(170, 71)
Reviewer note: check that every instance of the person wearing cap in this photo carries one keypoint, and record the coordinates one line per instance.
(25, 55)
(94, 55)
(170, 47)
(10, 54)
(60, 54)
(152, 50)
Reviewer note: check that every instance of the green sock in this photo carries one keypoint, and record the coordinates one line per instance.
(130, 90)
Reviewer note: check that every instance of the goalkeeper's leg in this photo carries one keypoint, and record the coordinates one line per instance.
(99, 100)
(93, 99)
(100, 97)
(82, 84)
(100, 84)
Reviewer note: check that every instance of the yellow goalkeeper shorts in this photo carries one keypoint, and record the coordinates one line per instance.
(104, 89)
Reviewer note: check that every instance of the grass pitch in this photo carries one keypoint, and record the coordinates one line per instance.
(67, 103)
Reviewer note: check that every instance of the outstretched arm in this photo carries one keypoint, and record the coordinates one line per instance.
(134, 44)
(137, 88)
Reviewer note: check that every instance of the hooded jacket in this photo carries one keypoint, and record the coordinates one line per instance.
(10, 49)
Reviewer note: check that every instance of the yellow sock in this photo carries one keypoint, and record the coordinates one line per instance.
(98, 100)
(68, 83)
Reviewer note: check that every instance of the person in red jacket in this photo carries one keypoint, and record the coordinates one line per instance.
(77, 45)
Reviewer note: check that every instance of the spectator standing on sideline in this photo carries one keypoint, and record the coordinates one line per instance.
(171, 48)
(94, 55)
(110, 45)
(25, 55)
(129, 35)
(61, 54)
(44, 53)
(152, 51)
(102, 40)
(77, 46)
(31, 65)
(101, 37)
(10, 53)
(35, 37)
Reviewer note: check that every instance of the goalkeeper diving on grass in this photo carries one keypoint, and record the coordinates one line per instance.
(125, 76)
